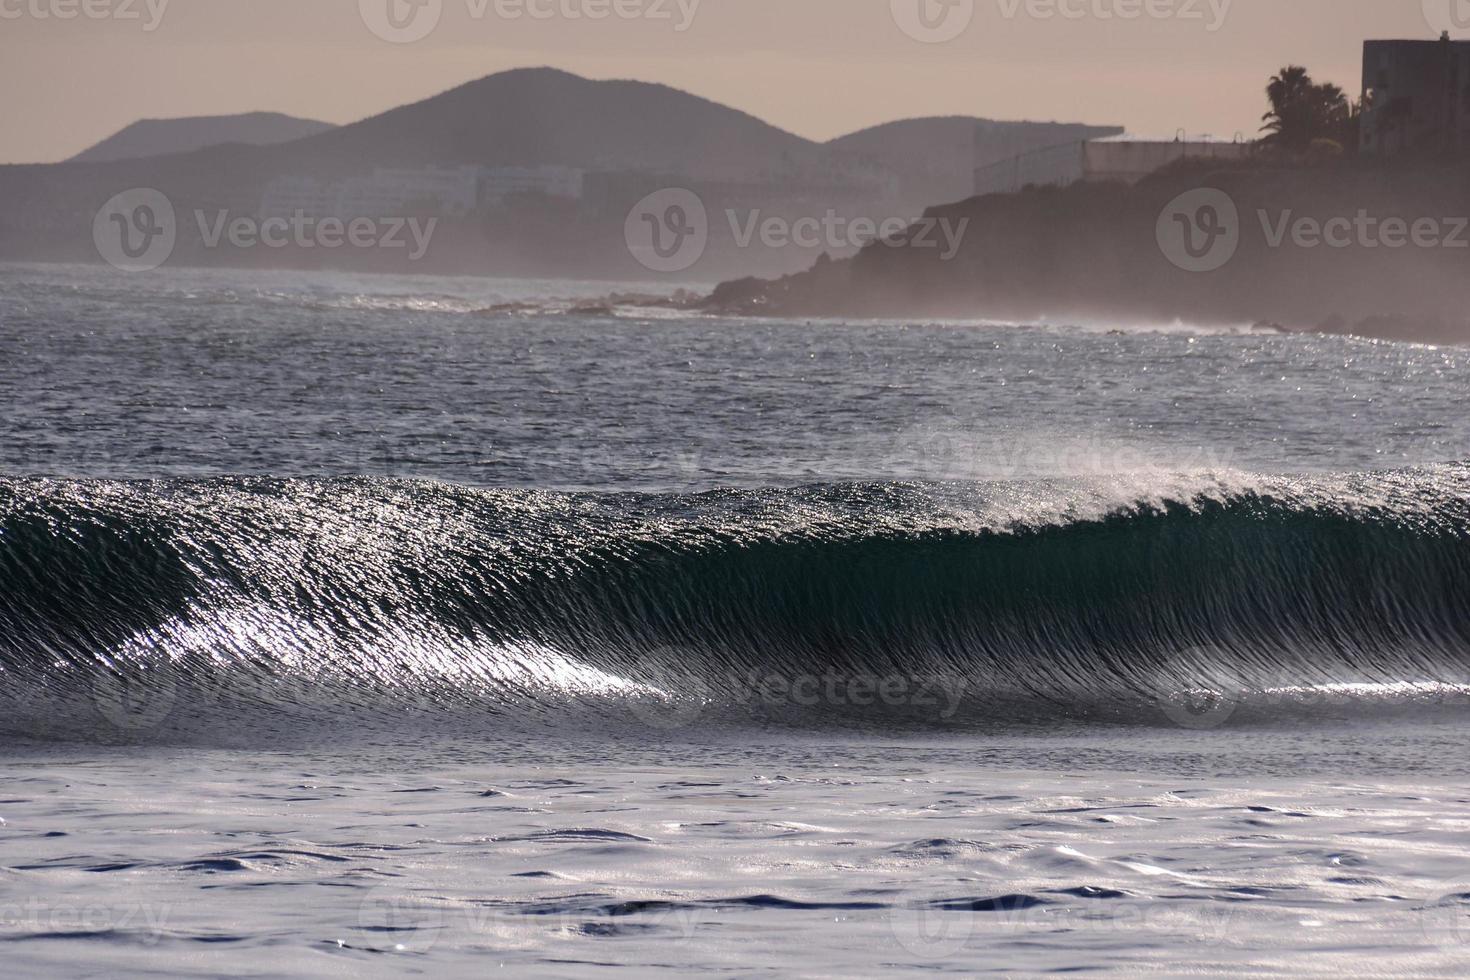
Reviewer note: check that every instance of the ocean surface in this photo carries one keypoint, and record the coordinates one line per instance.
(359, 626)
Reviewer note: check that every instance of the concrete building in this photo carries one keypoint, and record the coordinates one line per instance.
(1125, 159)
(1418, 98)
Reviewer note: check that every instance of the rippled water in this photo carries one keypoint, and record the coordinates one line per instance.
(214, 373)
(379, 626)
(793, 855)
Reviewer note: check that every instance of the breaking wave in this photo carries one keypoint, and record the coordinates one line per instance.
(163, 608)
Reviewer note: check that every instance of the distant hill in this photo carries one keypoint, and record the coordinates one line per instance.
(545, 116)
(159, 137)
(936, 157)
(532, 116)
(632, 137)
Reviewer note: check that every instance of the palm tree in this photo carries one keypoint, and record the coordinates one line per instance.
(1303, 111)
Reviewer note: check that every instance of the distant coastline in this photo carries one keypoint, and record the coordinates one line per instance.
(1347, 248)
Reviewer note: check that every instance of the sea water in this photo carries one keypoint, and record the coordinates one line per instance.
(376, 626)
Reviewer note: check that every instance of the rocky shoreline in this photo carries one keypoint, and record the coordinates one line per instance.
(1373, 252)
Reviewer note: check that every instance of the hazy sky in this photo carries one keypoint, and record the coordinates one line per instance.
(816, 67)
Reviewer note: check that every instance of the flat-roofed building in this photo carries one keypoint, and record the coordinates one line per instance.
(1417, 97)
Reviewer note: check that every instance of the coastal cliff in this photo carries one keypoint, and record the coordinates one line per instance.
(1341, 249)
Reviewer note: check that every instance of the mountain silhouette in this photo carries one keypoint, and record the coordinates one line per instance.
(632, 138)
(159, 137)
(536, 116)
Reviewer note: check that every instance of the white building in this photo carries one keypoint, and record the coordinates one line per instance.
(497, 184)
(1126, 159)
(445, 191)
(286, 196)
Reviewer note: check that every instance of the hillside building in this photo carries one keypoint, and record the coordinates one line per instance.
(1417, 98)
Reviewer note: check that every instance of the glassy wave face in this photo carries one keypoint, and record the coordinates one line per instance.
(216, 608)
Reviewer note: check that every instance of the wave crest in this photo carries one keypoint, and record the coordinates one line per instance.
(367, 599)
